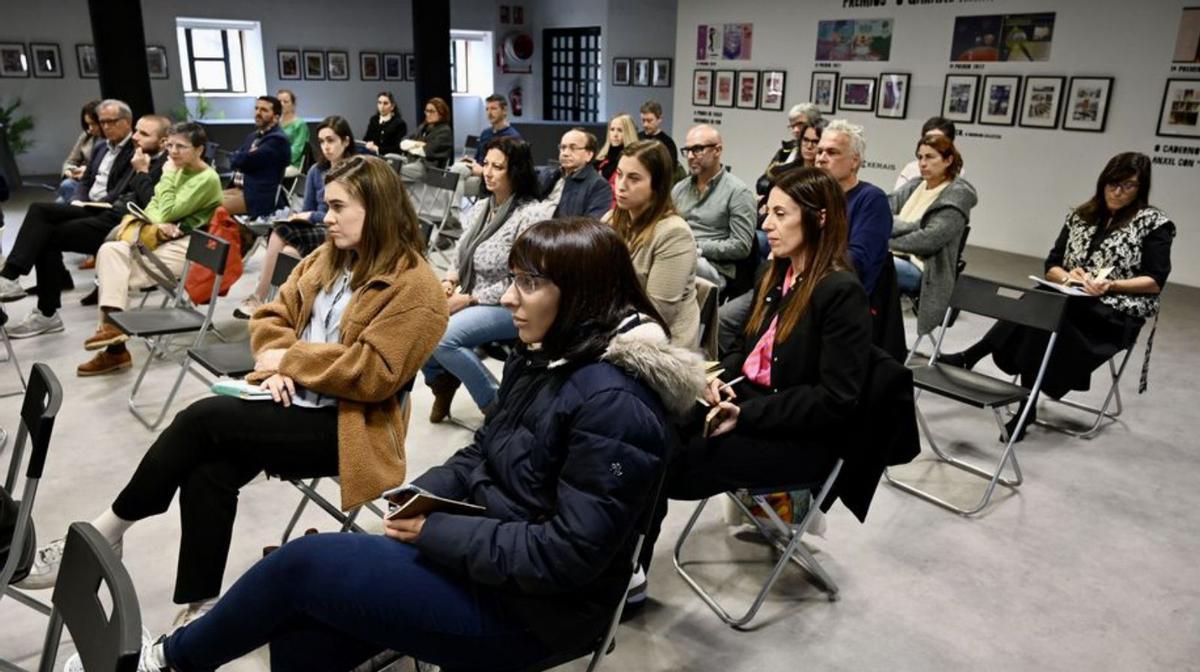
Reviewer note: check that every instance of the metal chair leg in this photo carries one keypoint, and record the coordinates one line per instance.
(287, 531)
(1102, 414)
(12, 358)
(183, 369)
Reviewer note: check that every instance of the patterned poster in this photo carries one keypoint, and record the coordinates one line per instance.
(1003, 37)
(854, 40)
(724, 42)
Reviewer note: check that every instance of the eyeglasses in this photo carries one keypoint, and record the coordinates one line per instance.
(177, 147)
(695, 149)
(1126, 186)
(527, 283)
(810, 142)
(570, 148)
(108, 122)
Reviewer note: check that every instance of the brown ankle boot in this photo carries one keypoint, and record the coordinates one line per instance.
(444, 387)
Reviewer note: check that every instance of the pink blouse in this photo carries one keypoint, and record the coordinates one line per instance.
(757, 367)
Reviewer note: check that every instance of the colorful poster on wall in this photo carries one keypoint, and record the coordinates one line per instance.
(854, 40)
(1187, 41)
(729, 42)
(1003, 37)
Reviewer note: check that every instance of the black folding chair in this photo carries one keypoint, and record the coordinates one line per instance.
(43, 399)
(432, 197)
(235, 359)
(784, 536)
(178, 317)
(104, 641)
(1029, 308)
(1100, 416)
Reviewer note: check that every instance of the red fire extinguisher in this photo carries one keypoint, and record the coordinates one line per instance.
(514, 98)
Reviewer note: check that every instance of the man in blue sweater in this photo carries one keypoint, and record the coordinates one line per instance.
(259, 163)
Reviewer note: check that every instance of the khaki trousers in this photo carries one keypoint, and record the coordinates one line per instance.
(118, 273)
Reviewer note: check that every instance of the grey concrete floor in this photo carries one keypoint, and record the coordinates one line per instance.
(1090, 565)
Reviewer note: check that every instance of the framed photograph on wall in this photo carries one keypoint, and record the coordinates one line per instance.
(822, 92)
(723, 88)
(393, 67)
(622, 71)
(641, 72)
(998, 106)
(1179, 116)
(747, 89)
(47, 61)
(368, 66)
(156, 61)
(314, 65)
(410, 67)
(958, 98)
(893, 95)
(339, 64)
(289, 63)
(85, 57)
(660, 72)
(774, 87)
(1087, 104)
(856, 94)
(1042, 101)
(702, 83)
(14, 62)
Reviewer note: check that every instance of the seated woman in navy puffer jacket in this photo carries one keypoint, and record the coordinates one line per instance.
(565, 467)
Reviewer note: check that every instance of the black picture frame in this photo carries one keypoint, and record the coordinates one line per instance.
(85, 60)
(718, 100)
(641, 72)
(702, 88)
(901, 82)
(410, 67)
(1070, 108)
(951, 104)
(45, 60)
(393, 67)
(1165, 114)
(370, 66)
(622, 72)
(843, 85)
(661, 70)
(743, 99)
(768, 98)
(313, 64)
(1030, 99)
(289, 64)
(157, 63)
(825, 105)
(337, 63)
(986, 115)
(14, 60)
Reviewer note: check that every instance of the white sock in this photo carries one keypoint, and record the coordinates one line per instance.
(111, 526)
(157, 656)
(203, 606)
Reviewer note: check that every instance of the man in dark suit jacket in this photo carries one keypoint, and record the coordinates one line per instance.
(259, 163)
(576, 186)
(51, 228)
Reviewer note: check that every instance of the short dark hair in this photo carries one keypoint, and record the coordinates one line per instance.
(590, 264)
(89, 110)
(521, 173)
(340, 128)
(194, 132)
(651, 107)
(276, 106)
(939, 124)
(944, 146)
(497, 98)
(589, 142)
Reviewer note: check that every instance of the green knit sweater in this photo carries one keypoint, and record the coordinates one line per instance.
(185, 198)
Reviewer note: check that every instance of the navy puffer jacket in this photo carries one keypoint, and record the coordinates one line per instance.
(565, 466)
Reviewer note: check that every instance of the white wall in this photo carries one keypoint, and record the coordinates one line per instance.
(638, 29)
(1027, 178)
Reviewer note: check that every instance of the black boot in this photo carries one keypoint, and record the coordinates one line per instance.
(1011, 425)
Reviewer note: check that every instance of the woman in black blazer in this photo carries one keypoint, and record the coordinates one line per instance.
(800, 367)
(386, 128)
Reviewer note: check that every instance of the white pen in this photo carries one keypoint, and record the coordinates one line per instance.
(731, 383)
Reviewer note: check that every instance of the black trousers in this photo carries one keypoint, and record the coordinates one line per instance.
(703, 467)
(212, 449)
(49, 230)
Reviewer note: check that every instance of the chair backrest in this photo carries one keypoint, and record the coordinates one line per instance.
(104, 641)
(1019, 305)
(960, 263)
(208, 250)
(471, 145)
(706, 296)
(43, 398)
(440, 179)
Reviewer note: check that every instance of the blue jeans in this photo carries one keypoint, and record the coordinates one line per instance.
(331, 601)
(469, 328)
(908, 277)
(66, 190)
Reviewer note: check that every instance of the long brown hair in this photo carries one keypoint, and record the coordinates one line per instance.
(945, 148)
(825, 246)
(1119, 168)
(653, 155)
(390, 235)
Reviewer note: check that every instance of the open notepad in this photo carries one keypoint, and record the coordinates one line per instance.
(1069, 290)
(410, 501)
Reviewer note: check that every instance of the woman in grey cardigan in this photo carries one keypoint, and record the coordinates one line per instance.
(930, 215)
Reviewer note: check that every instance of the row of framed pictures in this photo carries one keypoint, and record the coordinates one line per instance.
(335, 65)
(641, 72)
(886, 96)
(746, 89)
(45, 60)
(1002, 101)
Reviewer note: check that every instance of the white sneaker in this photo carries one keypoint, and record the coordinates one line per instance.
(35, 324)
(191, 613)
(44, 572)
(146, 661)
(11, 290)
(637, 587)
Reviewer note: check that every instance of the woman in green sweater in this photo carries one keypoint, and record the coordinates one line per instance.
(184, 199)
(295, 129)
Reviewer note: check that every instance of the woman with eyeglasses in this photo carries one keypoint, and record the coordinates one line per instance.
(1116, 248)
(563, 471)
(804, 126)
(432, 144)
(474, 286)
(335, 350)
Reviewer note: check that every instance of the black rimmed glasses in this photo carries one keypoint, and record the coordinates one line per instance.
(695, 149)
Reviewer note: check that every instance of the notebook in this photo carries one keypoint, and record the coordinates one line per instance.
(410, 501)
(241, 389)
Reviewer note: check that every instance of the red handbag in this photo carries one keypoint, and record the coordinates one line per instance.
(199, 283)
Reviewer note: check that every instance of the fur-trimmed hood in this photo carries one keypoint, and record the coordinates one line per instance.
(676, 374)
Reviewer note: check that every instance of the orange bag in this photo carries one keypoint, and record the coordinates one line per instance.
(199, 283)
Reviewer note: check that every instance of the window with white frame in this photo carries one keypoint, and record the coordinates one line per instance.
(219, 57)
(460, 66)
